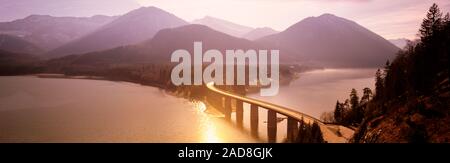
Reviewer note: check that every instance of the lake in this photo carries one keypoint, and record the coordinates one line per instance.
(76, 110)
(36, 109)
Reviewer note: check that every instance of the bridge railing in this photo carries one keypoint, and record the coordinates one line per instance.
(293, 117)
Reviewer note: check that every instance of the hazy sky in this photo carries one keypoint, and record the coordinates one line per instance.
(389, 18)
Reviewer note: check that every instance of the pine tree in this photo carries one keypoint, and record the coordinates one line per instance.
(431, 23)
(386, 68)
(379, 85)
(316, 134)
(338, 112)
(301, 132)
(426, 61)
(367, 95)
(355, 109)
(446, 19)
(346, 105)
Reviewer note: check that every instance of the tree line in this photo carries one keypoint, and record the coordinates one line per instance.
(413, 90)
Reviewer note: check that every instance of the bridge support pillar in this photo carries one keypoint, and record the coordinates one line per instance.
(239, 113)
(254, 120)
(292, 129)
(227, 108)
(272, 126)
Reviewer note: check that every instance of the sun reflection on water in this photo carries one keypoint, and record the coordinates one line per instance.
(209, 132)
(200, 106)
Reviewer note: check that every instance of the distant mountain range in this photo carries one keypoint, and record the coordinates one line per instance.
(134, 27)
(48, 32)
(234, 29)
(16, 9)
(150, 35)
(224, 26)
(161, 46)
(259, 33)
(335, 42)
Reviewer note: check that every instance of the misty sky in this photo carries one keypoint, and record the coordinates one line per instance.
(389, 18)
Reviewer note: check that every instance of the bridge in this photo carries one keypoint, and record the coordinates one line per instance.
(293, 117)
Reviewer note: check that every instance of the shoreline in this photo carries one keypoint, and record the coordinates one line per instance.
(63, 76)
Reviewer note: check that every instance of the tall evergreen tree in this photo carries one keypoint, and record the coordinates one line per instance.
(431, 23)
(338, 112)
(379, 84)
(426, 61)
(446, 19)
(356, 110)
(386, 68)
(316, 134)
(367, 95)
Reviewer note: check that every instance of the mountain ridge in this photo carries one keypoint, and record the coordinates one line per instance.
(348, 44)
(258, 33)
(159, 48)
(49, 32)
(224, 26)
(134, 27)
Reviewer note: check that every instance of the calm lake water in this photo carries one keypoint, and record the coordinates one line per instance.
(76, 110)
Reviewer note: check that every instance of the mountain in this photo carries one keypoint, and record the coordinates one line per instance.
(49, 32)
(224, 26)
(259, 33)
(400, 43)
(334, 42)
(131, 28)
(16, 9)
(161, 46)
(18, 45)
